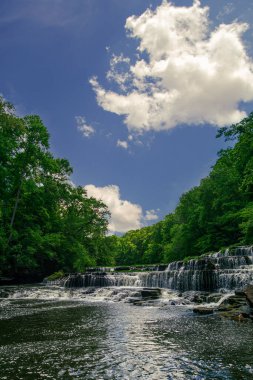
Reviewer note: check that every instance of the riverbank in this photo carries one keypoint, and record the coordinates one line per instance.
(21, 279)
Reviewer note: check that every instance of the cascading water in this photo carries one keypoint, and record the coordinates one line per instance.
(222, 270)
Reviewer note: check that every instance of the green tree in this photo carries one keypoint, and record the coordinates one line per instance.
(46, 224)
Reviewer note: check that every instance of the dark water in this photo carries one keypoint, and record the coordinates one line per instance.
(80, 339)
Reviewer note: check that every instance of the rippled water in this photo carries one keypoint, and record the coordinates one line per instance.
(52, 337)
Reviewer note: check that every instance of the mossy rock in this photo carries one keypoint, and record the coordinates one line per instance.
(55, 276)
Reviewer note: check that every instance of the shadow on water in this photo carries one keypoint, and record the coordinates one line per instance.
(50, 339)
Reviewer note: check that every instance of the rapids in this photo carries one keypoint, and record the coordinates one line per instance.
(62, 333)
(98, 325)
(218, 271)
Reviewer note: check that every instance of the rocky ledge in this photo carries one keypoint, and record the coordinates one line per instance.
(238, 306)
(146, 296)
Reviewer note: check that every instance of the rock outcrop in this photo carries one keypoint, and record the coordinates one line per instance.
(237, 306)
(227, 270)
(249, 294)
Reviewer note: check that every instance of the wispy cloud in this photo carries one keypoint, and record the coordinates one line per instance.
(122, 144)
(86, 129)
(226, 10)
(151, 215)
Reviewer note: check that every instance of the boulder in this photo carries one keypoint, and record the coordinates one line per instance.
(249, 294)
(214, 297)
(133, 299)
(239, 292)
(151, 293)
(196, 296)
(236, 307)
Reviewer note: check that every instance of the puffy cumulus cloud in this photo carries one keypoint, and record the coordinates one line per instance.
(125, 215)
(151, 215)
(87, 130)
(122, 144)
(188, 74)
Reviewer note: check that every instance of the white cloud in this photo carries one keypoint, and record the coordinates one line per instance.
(188, 75)
(118, 72)
(125, 215)
(122, 144)
(151, 215)
(87, 130)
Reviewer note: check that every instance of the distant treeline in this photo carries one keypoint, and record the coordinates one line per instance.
(47, 224)
(217, 213)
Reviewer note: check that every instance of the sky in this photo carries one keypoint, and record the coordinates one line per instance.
(132, 92)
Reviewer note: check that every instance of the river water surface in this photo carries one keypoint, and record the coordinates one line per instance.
(55, 335)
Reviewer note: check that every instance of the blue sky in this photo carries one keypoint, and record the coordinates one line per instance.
(133, 110)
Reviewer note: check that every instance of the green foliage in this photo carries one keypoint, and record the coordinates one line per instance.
(217, 213)
(55, 275)
(189, 258)
(46, 224)
(246, 225)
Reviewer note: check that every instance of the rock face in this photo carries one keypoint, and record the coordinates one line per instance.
(234, 303)
(234, 307)
(151, 293)
(237, 306)
(222, 270)
(249, 294)
(145, 297)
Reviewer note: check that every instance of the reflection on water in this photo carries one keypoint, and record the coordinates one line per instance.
(79, 339)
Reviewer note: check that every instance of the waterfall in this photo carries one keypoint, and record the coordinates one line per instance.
(222, 270)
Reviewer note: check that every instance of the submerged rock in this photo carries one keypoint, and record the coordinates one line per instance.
(133, 299)
(235, 316)
(214, 297)
(197, 296)
(151, 293)
(203, 310)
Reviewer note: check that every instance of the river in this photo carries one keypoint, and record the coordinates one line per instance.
(48, 333)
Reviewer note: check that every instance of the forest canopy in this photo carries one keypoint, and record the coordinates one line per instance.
(47, 224)
(216, 214)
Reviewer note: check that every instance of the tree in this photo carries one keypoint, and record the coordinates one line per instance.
(215, 214)
(46, 224)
